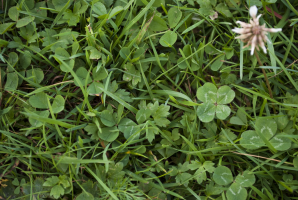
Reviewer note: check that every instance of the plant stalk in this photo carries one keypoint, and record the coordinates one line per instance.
(266, 79)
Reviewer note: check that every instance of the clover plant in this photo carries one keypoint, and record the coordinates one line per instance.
(214, 101)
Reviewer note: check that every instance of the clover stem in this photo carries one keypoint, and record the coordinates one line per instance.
(266, 79)
(224, 124)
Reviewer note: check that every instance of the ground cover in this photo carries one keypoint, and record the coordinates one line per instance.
(148, 99)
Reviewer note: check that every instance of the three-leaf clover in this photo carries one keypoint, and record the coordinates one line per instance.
(223, 176)
(18, 184)
(213, 102)
(267, 127)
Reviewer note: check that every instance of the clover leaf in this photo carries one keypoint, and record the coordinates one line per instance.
(213, 102)
(266, 127)
(223, 176)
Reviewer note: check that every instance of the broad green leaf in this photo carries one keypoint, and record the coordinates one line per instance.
(194, 165)
(168, 39)
(109, 134)
(64, 180)
(25, 60)
(216, 65)
(57, 191)
(36, 75)
(253, 2)
(39, 100)
(236, 192)
(85, 196)
(229, 53)
(99, 74)
(206, 112)
(115, 11)
(240, 118)
(142, 115)
(37, 185)
(17, 190)
(213, 189)
(40, 12)
(29, 33)
(225, 95)
(281, 143)
(158, 3)
(267, 127)
(201, 175)
(51, 181)
(237, 121)
(12, 59)
(82, 74)
(64, 55)
(162, 111)
(183, 178)
(128, 128)
(222, 111)
(115, 171)
(160, 115)
(107, 118)
(28, 3)
(250, 140)
(58, 104)
(222, 137)
(282, 121)
(155, 193)
(15, 182)
(59, 4)
(35, 122)
(174, 16)
(124, 95)
(222, 175)
(3, 43)
(223, 9)
(125, 52)
(182, 65)
(92, 130)
(158, 24)
(99, 8)
(206, 10)
(95, 54)
(208, 165)
(13, 13)
(24, 21)
(207, 93)
(245, 179)
(11, 82)
(5, 27)
(93, 88)
(130, 72)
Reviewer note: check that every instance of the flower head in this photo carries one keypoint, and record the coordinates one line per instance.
(253, 33)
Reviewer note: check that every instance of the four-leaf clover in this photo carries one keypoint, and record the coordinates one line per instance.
(213, 102)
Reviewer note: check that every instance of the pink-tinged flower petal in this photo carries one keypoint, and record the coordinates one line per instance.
(243, 24)
(253, 11)
(264, 49)
(273, 30)
(238, 30)
(243, 36)
(241, 30)
(261, 43)
(253, 45)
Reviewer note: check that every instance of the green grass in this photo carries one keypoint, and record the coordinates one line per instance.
(146, 99)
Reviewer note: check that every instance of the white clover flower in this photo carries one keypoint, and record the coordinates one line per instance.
(252, 33)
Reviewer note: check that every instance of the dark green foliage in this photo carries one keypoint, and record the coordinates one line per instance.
(146, 99)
